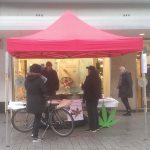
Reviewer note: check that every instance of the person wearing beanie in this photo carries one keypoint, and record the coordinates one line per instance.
(52, 83)
(92, 89)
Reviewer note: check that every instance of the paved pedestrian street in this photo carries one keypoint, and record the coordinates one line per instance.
(127, 134)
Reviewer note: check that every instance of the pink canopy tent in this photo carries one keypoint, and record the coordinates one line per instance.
(70, 37)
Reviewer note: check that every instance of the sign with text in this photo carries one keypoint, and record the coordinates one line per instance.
(144, 63)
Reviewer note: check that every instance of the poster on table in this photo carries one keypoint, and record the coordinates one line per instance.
(76, 110)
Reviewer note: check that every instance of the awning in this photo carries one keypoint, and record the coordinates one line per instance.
(70, 37)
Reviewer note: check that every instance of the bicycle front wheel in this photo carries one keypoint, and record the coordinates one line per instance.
(22, 120)
(62, 122)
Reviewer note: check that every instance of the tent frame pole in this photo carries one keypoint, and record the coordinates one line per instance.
(144, 70)
(7, 96)
(145, 106)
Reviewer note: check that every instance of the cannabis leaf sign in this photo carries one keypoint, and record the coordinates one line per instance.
(107, 119)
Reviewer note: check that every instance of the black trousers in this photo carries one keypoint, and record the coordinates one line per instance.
(36, 125)
(52, 96)
(126, 104)
(92, 114)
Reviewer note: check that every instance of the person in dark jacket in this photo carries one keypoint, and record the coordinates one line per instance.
(92, 89)
(52, 83)
(36, 97)
(125, 89)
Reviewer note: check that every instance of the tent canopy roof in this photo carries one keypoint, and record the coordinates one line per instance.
(70, 37)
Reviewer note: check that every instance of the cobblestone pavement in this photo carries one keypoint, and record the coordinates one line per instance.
(127, 134)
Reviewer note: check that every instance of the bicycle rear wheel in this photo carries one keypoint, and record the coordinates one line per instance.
(62, 122)
(22, 120)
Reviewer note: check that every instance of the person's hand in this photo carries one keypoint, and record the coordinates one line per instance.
(48, 103)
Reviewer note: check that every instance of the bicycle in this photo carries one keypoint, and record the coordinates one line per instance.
(59, 120)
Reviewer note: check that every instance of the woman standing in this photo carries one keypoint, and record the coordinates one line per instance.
(36, 97)
(92, 92)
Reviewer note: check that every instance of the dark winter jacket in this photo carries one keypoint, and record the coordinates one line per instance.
(125, 85)
(52, 83)
(36, 93)
(92, 88)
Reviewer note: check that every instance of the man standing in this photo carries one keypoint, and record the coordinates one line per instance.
(52, 83)
(125, 89)
(92, 89)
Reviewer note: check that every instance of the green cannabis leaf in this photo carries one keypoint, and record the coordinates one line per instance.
(107, 119)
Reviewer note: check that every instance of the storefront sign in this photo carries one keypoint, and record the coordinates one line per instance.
(144, 63)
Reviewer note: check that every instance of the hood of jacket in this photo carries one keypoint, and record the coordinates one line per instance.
(33, 76)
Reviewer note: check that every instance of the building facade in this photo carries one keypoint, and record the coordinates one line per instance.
(128, 18)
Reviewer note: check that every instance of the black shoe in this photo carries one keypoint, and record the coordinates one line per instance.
(97, 129)
(94, 131)
(36, 140)
(127, 114)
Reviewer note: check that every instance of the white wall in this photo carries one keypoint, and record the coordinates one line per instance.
(101, 15)
(85, 9)
(2, 71)
(79, 1)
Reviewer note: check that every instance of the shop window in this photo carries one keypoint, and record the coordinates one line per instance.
(70, 71)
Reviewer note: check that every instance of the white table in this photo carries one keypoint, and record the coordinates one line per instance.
(16, 105)
(75, 106)
(108, 102)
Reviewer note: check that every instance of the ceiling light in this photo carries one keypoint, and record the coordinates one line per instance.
(141, 34)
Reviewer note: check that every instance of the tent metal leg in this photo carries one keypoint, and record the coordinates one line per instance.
(145, 107)
(7, 96)
(144, 70)
(7, 128)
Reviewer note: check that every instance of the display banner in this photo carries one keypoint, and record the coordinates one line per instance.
(144, 63)
(76, 110)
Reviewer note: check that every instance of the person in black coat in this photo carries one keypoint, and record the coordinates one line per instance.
(92, 89)
(125, 89)
(52, 83)
(36, 97)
